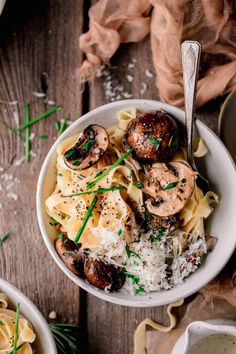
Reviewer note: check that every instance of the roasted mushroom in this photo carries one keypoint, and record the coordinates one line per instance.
(89, 148)
(154, 135)
(167, 225)
(68, 251)
(170, 186)
(103, 275)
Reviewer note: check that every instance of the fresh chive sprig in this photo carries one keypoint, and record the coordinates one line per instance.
(27, 132)
(16, 329)
(104, 173)
(86, 218)
(99, 190)
(3, 238)
(36, 119)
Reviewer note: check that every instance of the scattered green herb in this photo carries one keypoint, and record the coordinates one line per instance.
(158, 237)
(130, 252)
(138, 185)
(170, 186)
(135, 279)
(119, 232)
(58, 126)
(43, 137)
(63, 237)
(3, 238)
(99, 173)
(86, 218)
(171, 139)
(76, 163)
(27, 133)
(99, 190)
(155, 142)
(36, 119)
(62, 126)
(87, 145)
(59, 174)
(104, 173)
(70, 153)
(54, 222)
(1, 323)
(18, 348)
(139, 290)
(127, 250)
(16, 329)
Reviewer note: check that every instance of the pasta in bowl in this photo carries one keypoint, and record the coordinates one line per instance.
(23, 329)
(131, 220)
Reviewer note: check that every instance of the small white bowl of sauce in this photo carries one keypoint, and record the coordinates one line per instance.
(208, 337)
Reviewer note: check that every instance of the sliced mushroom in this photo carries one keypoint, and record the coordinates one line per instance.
(103, 275)
(68, 251)
(154, 136)
(170, 186)
(89, 148)
(168, 224)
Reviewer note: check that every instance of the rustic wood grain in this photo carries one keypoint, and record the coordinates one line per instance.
(39, 52)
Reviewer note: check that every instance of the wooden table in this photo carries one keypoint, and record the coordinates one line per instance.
(39, 52)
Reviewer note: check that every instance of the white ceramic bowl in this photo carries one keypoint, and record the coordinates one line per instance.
(220, 169)
(44, 342)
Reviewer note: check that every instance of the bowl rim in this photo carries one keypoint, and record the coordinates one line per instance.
(88, 287)
(42, 323)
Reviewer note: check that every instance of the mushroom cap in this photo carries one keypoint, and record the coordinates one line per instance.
(154, 135)
(170, 186)
(68, 253)
(89, 148)
(103, 275)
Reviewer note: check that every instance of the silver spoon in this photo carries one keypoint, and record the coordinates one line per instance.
(191, 52)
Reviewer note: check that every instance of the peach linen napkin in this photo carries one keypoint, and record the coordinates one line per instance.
(169, 22)
(215, 301)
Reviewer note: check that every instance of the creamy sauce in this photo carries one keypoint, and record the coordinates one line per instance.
(215, 344)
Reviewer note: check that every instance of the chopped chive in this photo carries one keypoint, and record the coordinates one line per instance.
(36, 119)
(27, 133)
(58, 126)
(158, 237)
(139, 290)
(127, 250)
(138, 185)
(155, 142)
(87, 145)
(43, 137)
(63, 237)
(70, 153)
(119, 232)
(104, 173)
(135, 279)
(99, 190)
(16, 329)
(76, 163)
(59, 174)
(62, 126)
(86, 218)
(170, 186)
(170, 141)
(3, 238)
(1, 323)
(54, 222)
(130, 252)
(18, 348)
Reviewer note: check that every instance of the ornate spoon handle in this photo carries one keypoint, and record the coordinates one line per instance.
(191, 51)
